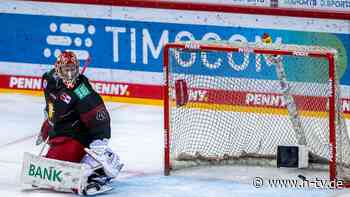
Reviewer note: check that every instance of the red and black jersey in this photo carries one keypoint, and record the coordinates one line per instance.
(78, 112)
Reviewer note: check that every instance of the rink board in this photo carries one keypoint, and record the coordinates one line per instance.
(126, 41)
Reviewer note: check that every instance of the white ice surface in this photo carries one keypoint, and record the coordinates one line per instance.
(138, 138)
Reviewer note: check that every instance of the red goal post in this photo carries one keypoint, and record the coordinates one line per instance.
(270, 50)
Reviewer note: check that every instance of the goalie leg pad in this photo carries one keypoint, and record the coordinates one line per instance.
(53, 174)
(109, 161)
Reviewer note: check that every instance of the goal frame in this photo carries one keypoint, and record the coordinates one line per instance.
(329, 56)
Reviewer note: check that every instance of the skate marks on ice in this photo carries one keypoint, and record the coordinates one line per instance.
(180, 186)
(139, 184)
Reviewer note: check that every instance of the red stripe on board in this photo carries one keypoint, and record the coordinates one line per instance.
(257, 99)
(20, 82)
(102, 87)
(164, 4)
(127, 89)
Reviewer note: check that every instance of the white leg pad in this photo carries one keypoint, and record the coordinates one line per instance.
(53, 174)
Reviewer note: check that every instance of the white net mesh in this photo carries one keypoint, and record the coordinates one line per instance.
(244, 104)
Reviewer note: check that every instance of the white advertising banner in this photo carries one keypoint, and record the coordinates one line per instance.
(126, 43)
(337, 5)
(231, 2)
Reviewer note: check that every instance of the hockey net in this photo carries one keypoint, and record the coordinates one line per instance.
(235, 102)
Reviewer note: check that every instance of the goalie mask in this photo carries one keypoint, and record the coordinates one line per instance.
(67, 68)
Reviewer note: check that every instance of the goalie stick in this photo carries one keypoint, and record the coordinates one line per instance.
(94, 156)
(86, 64)
(43, 146)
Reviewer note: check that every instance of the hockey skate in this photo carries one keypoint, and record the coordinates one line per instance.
(99, 183)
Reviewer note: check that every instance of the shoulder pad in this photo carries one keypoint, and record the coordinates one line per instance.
(50, 79)
(51, 74)
(86, 81)
(83, 78)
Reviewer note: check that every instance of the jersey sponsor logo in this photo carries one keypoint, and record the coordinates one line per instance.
(65, 98)
(102, 115)
(82, 91)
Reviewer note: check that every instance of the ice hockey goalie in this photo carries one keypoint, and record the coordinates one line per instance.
(76, 127)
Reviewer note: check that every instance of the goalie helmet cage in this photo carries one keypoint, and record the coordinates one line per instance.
(188, 117)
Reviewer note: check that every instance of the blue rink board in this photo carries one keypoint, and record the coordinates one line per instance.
(177, 186)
